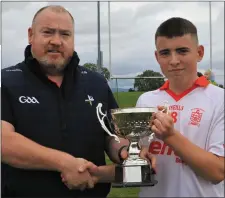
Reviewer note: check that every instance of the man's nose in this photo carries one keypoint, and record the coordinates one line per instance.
(56, 40)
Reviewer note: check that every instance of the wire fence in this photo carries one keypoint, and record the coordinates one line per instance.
(117, 88)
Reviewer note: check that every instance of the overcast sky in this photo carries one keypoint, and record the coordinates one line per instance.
(133, 25)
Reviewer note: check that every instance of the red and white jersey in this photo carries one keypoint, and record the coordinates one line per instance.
(198, 114)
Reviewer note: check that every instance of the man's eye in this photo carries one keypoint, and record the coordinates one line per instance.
(65, 33)
(47, 32)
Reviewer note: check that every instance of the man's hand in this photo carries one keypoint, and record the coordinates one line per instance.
(73, 178)
(103, 173)
(124, 153)
(162, 124)
(113, 148)
(107, 173)
(93, 171)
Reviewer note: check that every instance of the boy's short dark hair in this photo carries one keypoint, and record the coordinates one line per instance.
(176, 26)
(199, 74)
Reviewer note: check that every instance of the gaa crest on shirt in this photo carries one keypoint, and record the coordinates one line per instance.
(196, 116)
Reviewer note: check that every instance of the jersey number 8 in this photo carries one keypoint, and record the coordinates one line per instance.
(174, 116)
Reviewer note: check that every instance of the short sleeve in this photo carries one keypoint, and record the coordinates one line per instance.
(141, 101)
(112, 104)
(138, 103)
(216, 136)
(6, 108)
(145, 140)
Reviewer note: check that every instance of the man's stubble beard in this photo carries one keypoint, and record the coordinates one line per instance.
(53, 69)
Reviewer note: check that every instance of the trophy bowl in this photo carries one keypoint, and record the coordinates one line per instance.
(132, 124)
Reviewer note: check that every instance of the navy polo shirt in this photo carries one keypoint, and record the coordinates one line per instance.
(60, 118)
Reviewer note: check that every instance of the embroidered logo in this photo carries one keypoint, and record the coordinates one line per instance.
(89, 100)
(196, 116)
(27, 99)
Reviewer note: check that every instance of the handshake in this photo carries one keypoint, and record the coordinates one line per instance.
(80, 174)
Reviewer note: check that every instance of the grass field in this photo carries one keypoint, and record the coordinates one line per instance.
(127, 99)
(124, 99)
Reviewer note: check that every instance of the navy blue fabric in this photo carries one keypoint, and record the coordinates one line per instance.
(58, 118)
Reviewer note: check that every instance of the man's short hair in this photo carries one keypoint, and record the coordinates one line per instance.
(176, 27)
(54, 8)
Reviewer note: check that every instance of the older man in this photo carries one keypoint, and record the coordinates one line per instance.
(49, 123)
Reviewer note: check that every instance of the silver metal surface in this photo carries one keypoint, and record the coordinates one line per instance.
(132, 123)
(132, 174)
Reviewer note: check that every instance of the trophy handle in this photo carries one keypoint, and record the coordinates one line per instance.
(151, 137)
(166, 108)
(101, 120)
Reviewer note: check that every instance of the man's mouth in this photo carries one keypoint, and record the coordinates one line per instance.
(53, 51)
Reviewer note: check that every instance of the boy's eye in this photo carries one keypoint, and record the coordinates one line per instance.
(182, 51)
(164, 52)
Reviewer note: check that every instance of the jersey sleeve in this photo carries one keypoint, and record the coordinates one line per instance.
(139, 102)
(144, 141)
(216, 136)
(112, 104)
(6, 108)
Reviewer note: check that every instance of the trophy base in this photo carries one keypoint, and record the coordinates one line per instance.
(133, 184)
(134, 176)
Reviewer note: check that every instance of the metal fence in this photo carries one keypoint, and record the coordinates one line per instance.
(220, 76)
(126, 78)
(117, 87)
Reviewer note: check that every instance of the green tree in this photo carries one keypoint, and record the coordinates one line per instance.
(148, 84)
(93, 67)
(221, 86)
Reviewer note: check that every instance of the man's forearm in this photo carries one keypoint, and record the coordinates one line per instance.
(106, 174)
(112, 148)
(205, 164)
(21, 152)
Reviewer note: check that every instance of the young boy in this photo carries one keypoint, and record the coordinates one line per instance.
(189, 144)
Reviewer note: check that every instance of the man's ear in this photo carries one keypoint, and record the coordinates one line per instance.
(200, 52)
(30, 35)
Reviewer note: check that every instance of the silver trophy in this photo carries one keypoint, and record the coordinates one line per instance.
(132, 124)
